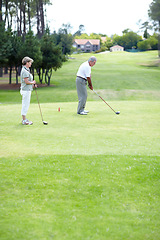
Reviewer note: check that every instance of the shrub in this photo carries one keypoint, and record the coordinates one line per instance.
(144, 45)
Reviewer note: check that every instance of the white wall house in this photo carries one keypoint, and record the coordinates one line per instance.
(116, 48)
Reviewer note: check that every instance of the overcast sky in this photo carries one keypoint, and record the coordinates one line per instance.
(98, 16)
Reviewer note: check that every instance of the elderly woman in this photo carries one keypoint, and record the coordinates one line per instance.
(27, 84)
(84, 76)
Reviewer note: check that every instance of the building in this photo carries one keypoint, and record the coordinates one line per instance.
(87, 45)
(116, 48)
(103, 39)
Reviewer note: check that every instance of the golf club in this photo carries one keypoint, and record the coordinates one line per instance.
(44, 122)
(105, 102)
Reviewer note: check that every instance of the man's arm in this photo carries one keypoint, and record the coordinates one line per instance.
(89, 83)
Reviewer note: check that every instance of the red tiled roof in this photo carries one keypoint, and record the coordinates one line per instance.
(84, 41)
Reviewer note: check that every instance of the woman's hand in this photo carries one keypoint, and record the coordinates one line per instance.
(34, 82)
(35, 86)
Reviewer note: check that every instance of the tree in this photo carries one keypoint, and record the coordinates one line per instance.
(40, 18)
(82, 36)
(146, 34)
(5, 45)
(153, 41)
(154, 14)
(47, 54)
(65, 39)
(146, 26)
(0, 10)
(118, 40)
(109, 43)
(32, 48)
(127, 40)
(127, 30)
(24, 14)
(80, 31)
(3, 58)
(144, 45)
(51, 57)
(14, 59)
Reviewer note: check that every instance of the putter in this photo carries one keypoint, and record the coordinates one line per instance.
(44, 122)
(106, 103)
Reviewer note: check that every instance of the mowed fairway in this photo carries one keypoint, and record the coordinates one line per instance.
(83, 177)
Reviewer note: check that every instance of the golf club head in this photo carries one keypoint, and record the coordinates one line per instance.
(118, 112)
(45, 123)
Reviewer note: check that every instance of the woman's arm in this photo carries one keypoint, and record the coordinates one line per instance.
(28, 82)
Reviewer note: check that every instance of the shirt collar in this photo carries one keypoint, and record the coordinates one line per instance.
(27, 68)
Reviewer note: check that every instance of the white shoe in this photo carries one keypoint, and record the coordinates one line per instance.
(82, 113)
(27, 122)
(86, 111)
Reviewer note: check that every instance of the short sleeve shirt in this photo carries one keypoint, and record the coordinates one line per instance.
(84, 70)
(25, 73)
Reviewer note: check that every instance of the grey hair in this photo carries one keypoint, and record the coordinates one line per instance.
(92, 59)
(26, 59)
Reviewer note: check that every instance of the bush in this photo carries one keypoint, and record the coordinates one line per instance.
(153, 41)
(102, 49)
(144, 45)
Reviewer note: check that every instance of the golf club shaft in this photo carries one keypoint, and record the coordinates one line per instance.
(39, 104)
(104, 101)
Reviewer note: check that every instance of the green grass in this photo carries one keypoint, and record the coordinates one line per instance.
(84, 177)
(80, 197)
(119, 76)
(134, 131)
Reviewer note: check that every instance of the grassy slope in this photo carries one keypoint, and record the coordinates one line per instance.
(90, 177)
(118, 76)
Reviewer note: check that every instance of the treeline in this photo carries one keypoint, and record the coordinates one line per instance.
(131, 40)
(23, 15)
(18, 19)
(128, 40)
(48, 50)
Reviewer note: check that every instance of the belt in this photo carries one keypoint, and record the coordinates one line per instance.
(82, 78)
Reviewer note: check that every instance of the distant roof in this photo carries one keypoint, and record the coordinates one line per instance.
(84, 41)
(103, 39)
(117, 46)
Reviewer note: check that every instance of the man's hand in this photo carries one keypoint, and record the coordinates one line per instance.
(91, 87)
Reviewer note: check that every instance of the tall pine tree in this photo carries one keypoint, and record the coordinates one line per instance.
(154, 14)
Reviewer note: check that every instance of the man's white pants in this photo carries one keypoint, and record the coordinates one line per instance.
(26, 97)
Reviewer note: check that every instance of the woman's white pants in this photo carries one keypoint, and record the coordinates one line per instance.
(26, 97)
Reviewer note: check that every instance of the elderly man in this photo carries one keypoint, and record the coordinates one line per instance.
(84, 76)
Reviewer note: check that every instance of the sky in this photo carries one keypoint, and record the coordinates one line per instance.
(99, 16)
